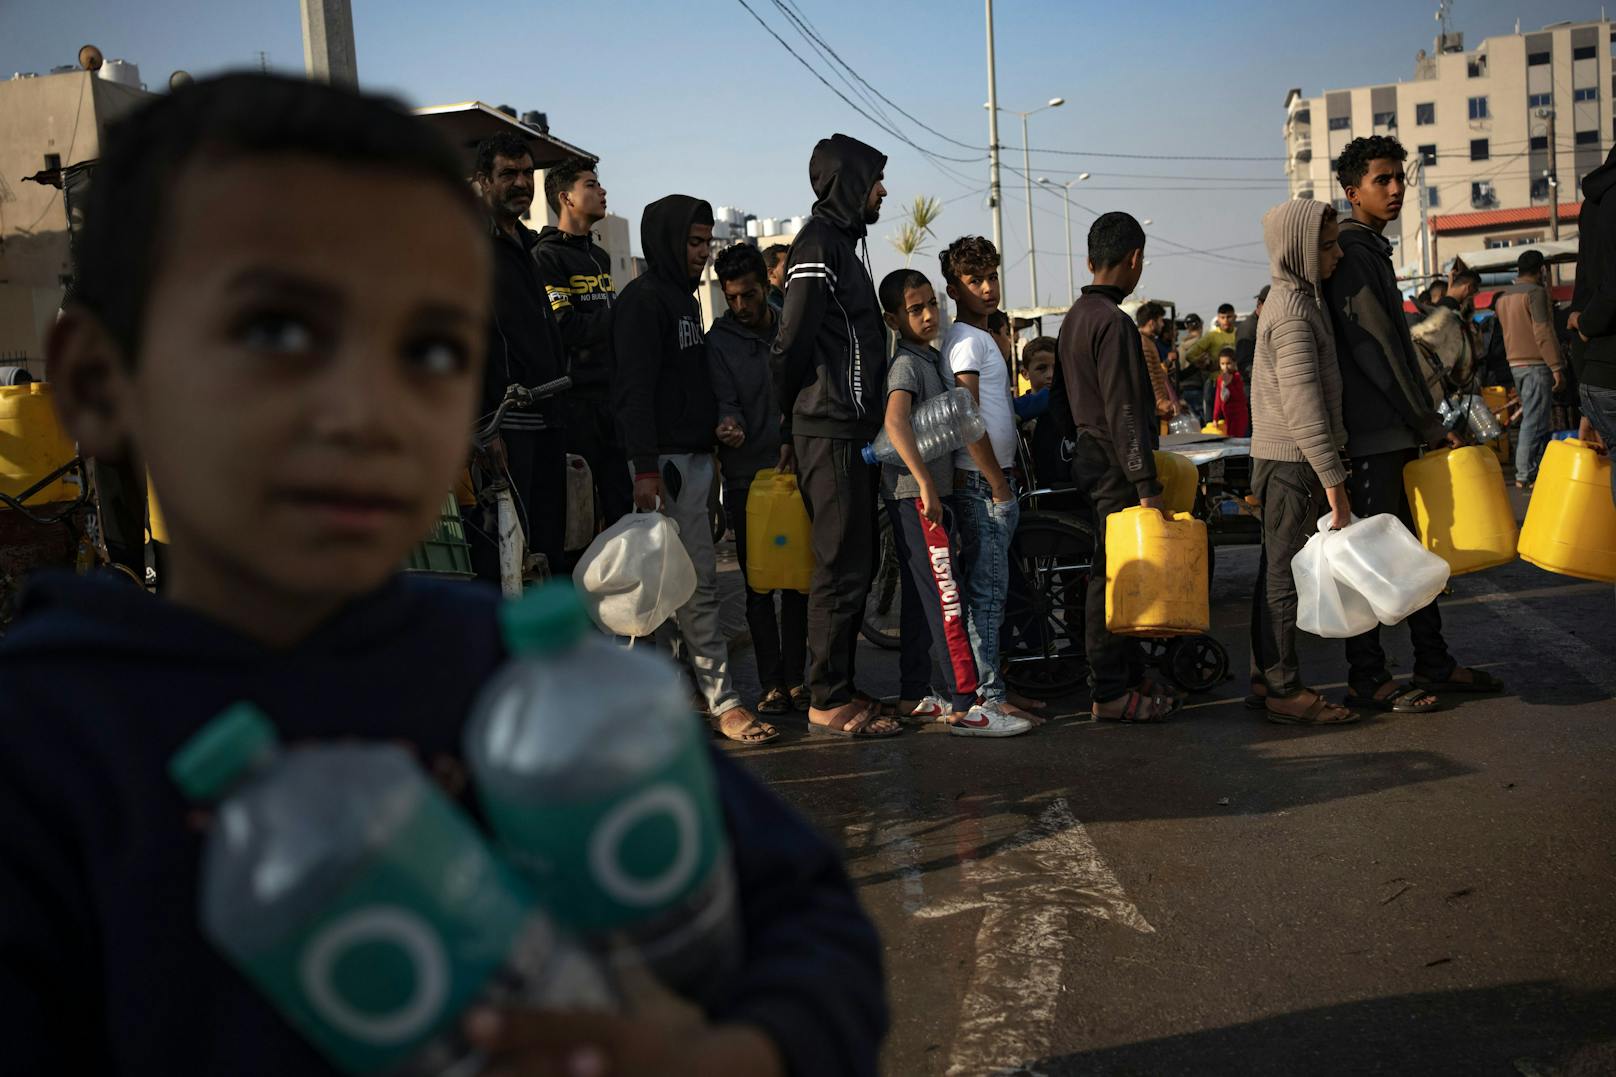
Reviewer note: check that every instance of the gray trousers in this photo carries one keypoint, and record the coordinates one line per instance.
(1292, 502)
(687, 481)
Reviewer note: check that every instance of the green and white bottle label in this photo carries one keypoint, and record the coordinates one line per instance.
(404, 949)
(611, 861)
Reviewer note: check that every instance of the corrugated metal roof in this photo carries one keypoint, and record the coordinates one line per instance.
(1501, 218)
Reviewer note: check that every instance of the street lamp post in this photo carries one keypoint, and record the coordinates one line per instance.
(1066, 200)
(1026, 175)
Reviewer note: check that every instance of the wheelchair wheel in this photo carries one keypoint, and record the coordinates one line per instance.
(885, 602)
(1051, 557)
(1197, 663)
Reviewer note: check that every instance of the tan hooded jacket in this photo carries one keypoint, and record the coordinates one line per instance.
(1295, 378)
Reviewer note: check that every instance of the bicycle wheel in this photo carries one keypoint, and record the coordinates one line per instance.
(1051, 558)
(884, 605)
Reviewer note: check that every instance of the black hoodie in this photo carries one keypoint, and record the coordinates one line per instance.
(103, 966)
(664, 395)
(577, 274)
(831, 339)
(524, 345)
(1595, 295)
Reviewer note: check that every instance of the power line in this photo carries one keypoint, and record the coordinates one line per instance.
(1142, 156)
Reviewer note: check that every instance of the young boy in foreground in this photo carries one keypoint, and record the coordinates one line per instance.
(933, 614)
(301, 384)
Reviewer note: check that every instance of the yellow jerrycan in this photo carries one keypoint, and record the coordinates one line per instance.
(32, 444)
(779, 555)
(1219, 427)
(1461, 511)
(1571, 523)
(1155, 574)
(1179, 481)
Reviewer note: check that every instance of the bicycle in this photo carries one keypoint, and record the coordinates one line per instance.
(517, 565)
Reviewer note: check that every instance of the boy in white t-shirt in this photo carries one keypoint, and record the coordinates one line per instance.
(985, 508)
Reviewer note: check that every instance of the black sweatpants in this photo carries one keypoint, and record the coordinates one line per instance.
(1116, 663)
(592, 434)
(537, 460)
(839, 490)
(1374, 486)
(779, 645)
(1292, 502)
(930, 573)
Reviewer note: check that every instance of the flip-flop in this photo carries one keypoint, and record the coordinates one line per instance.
(774, 701)
(1481, 683)
(884, 708)
(1313, 715)
(739, 736)
(1397, 702)
(1131, 709)
(852, 720)
(800, 699)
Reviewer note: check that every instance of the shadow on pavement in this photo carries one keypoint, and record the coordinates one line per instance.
(1536, 1029)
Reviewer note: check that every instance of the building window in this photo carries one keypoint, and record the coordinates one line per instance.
(1433, 197)
(1587, 138)
(1539, 100)
(1583, 52)
(1385, 119)
(1540, 142)
(1428, 156)
(1478, 109)
(1482, 194)
(1535, 58)
(1587, 93)
(1477, 67)
(1340, 123)
(1479, 150)
(1303, 116)
(1540, 189)
(1425, 114)
(53, 161)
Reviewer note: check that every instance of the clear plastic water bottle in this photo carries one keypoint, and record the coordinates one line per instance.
(595, 775)
(1470, 411)
(942, 424)
(364, 903)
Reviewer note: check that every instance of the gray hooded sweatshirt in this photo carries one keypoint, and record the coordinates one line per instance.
(742, 367)
(1295, 378)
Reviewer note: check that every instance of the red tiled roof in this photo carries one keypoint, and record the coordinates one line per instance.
(1501, 218)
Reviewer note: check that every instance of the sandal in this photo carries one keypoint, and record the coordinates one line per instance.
(884, 708)
(800, 699)
(1319, 712)
(774, 701)
(1176, 697)
(1257, 698)
(740, 726)
(1480, 683)
(1138, 710)
(1404, 701)
(854, 719)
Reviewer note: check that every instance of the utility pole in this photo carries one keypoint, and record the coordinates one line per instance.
(1032, 245)
(328, 43)
(994, 198)
(1554, 186)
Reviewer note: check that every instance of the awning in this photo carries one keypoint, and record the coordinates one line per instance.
(1501, 259)
(469, 122)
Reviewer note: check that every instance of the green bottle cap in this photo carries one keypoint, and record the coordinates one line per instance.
(544, 621)
(213, 760)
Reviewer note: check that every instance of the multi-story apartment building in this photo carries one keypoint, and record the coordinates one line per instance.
(1493, 134)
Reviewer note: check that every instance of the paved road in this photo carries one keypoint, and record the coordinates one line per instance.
(1422, 894)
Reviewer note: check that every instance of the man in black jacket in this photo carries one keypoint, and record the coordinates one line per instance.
(1593, 309)
(577, 273)
(524, 348)
(1389, 415)
(833, 370)
(669, 418)
(1102, 392)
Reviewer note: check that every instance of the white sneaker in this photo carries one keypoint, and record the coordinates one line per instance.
(987, 720)
(934, 708)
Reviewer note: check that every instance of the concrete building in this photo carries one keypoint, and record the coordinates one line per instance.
(1477, 125)
(48, 123)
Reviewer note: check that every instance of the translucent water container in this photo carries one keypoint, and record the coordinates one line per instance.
(1179, 480)
(1182, 424)
(1460, 508)
(1383, 561)
(1155, 574)
(946, 422)
(779, 553)
(1571, 522)
(32, 443)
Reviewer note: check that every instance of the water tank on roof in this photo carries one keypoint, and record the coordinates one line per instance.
(537, 120)
(794, 225)
(122, 72)
(752, 229)
(769, 226)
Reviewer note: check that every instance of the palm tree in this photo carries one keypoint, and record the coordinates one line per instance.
(910, 238)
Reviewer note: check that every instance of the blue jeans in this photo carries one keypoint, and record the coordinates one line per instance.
(984, 529)
(1599, 408)
(1536, 386)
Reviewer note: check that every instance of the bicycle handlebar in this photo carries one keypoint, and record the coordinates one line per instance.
(518, 396)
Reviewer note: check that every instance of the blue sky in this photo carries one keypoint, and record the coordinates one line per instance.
(694, 96)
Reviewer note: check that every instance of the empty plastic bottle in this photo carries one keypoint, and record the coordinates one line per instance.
(1470, 411)
(942, 424)
(364, 903)
(595, 775)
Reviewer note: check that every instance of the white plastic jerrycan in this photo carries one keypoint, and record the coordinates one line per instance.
(1383, 561)
(1324, 605)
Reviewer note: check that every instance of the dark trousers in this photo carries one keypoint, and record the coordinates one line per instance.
(931, 623)
(592, 434)
(1292, 502)
(537, 461)
(839, 490)
(1116, 663)
(780, 646)
(1374, 486)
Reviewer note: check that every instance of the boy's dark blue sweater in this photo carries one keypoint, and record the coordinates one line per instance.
(103, 968)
